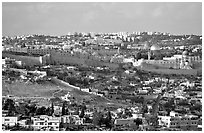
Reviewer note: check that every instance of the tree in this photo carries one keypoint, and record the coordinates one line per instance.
(76, 34)
(47, 111)
(128, 113)
(41, 111)
(97, 118)
(80, 34)
(52, 109)
(169, 105)
(138, 122)
(109, 117)
(138, 55)
(63, 109)
(89, 35)
(81, 115)
(23, 109)
(32, 109)
(108, 120)
(77, 111)
(10, 106)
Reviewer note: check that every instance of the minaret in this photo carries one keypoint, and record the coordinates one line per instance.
(149, 54)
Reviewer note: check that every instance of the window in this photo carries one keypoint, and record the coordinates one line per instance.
(6, 119)
(50, 123)
(41, 123)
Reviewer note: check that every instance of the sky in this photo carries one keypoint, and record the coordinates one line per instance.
(52, 18)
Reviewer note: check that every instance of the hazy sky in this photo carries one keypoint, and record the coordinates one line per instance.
(61, 18)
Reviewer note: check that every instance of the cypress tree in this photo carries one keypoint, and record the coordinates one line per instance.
(63, 109)
(52, 109)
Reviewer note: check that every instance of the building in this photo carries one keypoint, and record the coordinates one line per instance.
(183, 61)
(189, 122)
(25, 60)
(9, 120)
(46, 122)
(18, 49)
(41, 51)
(154, 52)
(164, 121)
(72, 119)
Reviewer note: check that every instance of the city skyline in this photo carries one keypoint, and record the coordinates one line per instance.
(57, 18)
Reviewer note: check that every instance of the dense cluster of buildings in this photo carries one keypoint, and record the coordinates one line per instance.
(132, 68)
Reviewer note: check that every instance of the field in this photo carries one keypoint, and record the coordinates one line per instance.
(22, 89)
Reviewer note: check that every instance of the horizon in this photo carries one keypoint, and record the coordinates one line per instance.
(61, 18)
(98, 33)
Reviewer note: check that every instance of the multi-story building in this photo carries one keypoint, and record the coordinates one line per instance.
(46, 122)
(41, 51)
(188, 122)
(9, 120)
(72, 119)
(176, 62)
(18, 49)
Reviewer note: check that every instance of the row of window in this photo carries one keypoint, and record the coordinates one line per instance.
(176, 123)
(6, 119)
(43, 123)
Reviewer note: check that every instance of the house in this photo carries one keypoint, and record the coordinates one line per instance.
(72, 119)
(188, 122)
(164, 120)
(10, 120)
(66, 97)
(23, 122)
(46, 122)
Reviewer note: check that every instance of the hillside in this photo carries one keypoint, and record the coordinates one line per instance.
(42, 93)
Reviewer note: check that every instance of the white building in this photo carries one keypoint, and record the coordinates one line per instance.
(10, 121)
(72, 119)
(46, 122)
(164, 120)
(18, 49)
(185, 122)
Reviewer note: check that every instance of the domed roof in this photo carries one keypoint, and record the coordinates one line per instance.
(185, 53)
(155, 47)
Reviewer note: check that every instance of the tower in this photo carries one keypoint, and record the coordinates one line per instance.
(149, 54)
(147, 47)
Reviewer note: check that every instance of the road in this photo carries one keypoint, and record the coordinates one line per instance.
(16, 97)
(60, 89)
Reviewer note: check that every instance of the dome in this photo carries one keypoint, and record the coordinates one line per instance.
(185, 53)
(155, 47)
